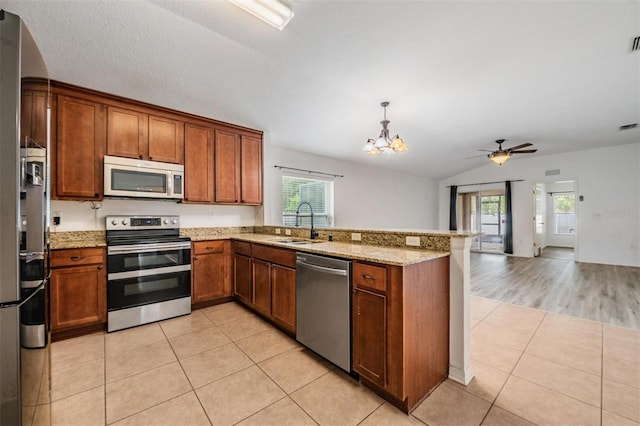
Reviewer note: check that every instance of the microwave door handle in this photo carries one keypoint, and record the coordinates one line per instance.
(169, 184)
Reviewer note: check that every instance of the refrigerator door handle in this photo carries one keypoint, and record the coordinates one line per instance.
(32, 255)
(23, 301)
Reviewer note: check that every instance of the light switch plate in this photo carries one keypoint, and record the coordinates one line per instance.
(413, 241)
(356, 236)
(278, 231)
(287, 231)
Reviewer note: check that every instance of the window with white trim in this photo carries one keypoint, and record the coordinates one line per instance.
(316, 191)
(564, 211)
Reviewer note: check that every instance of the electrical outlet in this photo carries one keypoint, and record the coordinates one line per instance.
(287, 231)
(211, 216)
(356, 236)
(277, 231)
(57, 217)
(413, 241)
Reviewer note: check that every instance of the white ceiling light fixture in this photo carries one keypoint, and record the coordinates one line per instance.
(273, 12)
(384, 144)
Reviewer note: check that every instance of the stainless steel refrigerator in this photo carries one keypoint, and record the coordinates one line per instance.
(24, 272)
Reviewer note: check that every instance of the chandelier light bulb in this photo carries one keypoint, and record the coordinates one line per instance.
(384, 144)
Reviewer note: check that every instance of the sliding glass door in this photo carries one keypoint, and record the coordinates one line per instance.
(484, 212)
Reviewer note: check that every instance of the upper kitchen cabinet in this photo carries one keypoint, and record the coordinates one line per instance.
(198, 164)
(78, 149)
(238, 168)
(135, 134)
(33, 120)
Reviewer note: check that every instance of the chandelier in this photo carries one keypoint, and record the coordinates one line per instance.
(384, 144)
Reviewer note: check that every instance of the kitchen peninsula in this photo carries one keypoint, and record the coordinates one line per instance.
(404, 310)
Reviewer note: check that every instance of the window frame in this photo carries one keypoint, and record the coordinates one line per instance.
(328, 214)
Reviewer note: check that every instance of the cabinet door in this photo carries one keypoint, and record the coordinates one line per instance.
(251, 170)
(261, 286)
(227, 167)
(242, 287)
(78, 296)
(126, 132)
(166, 140)
(369, 336)
(33, 120)
(198, 163)
(79, 148)
(208, 277)
(283, 296)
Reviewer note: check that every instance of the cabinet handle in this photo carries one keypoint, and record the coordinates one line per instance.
(195, 258)
(140, 156)
(99, 268)
(96, 194)
(209, 248)
(77, 257)
(368, 277)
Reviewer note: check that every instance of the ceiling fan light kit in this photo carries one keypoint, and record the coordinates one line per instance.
(500, 155)
(384, 144)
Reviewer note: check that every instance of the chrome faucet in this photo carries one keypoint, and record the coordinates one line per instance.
(314, 233)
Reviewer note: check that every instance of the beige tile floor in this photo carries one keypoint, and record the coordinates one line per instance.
(223, 366)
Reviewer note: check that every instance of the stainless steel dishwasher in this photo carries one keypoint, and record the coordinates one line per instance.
(323, 307)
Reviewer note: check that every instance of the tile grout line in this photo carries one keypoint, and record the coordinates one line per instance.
(493, 403)
(104, 390)
(602, 377)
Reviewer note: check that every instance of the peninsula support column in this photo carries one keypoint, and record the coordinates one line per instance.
(459, 294)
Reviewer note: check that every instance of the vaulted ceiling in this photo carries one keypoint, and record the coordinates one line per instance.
(458, 74)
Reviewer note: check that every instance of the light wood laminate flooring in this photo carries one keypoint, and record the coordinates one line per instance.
(605, 293)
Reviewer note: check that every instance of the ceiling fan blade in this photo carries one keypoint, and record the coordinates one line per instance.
(524, 151)
(476, 156)
(485, 150)
(524, 145)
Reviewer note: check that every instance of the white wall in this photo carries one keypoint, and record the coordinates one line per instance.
(609, 217)
(553, 239)
(366, 197)
(78, 215)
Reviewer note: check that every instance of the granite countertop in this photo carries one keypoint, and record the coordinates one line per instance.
(358, 251)
(387, 255)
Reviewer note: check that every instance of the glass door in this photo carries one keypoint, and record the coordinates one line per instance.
(484, 212)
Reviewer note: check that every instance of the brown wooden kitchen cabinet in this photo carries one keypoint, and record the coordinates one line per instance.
(211, 277)
(242, 272)
(271, 287)
(135, 134)
(283, 296)
(78, 291)
(401, 328)
(33, 119)
(78, 149)
(261, 274)
(238, 168)
(198, 163)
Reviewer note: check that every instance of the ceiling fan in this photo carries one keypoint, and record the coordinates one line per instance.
(501, 155)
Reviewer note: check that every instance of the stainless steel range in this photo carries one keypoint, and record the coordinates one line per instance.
(148, 270)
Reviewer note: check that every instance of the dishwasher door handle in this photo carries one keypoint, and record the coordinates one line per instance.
(322, 268)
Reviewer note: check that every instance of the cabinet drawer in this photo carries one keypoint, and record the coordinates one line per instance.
(206, 247)
(241, 247)
(275, 255)
(370, 277)
(75, 257)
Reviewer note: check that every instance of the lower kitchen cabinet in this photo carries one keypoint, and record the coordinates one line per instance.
(211, 278)
(283, 296)
(261, 272)
(266, 281)
(242, 273)
(401, 328)
(369, 334)
(78, 288)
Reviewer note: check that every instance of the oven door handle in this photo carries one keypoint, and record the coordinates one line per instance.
(147, 272)
(147, 248)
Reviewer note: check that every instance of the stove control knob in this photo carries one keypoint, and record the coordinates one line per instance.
(166, 221)
(114, 222)
(124, 222)
(174, 221)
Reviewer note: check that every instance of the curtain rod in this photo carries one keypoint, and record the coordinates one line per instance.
(486, 183)
(307, 171)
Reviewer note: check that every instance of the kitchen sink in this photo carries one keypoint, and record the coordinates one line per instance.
(296, 241)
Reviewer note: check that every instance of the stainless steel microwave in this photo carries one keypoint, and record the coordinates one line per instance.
(127, 177)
